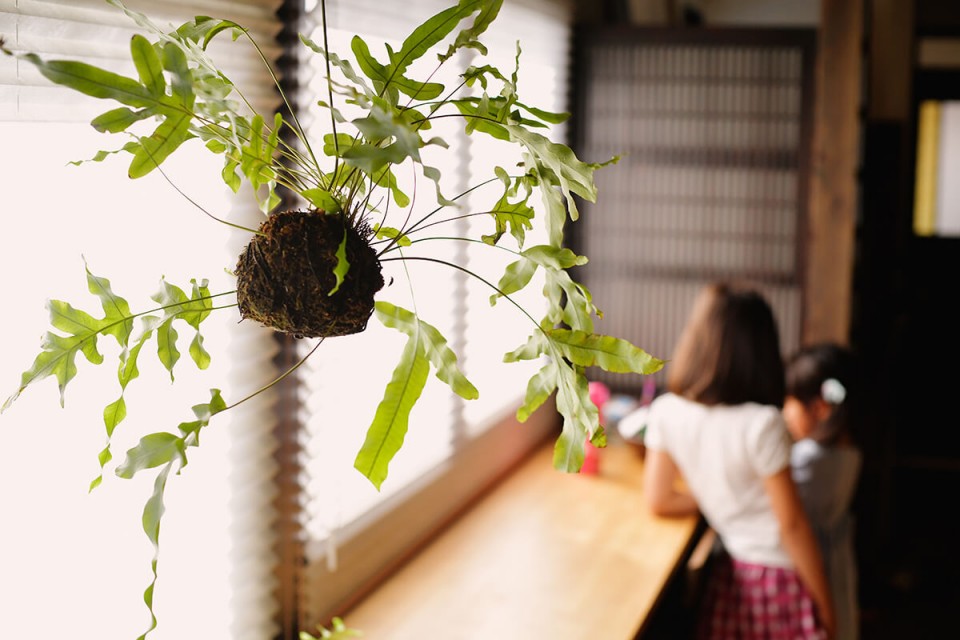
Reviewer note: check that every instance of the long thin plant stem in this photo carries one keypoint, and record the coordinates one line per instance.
(204, 210)
(279, 378)
(469, 273)
(333, 118)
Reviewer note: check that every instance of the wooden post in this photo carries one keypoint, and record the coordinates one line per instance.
(833, 184)
(891, 60)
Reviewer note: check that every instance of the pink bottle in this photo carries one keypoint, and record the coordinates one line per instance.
(599, 394)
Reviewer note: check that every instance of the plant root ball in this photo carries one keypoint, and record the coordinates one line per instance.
(286, 273)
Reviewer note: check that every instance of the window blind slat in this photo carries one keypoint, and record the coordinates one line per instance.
(97, 33)
(65, 9)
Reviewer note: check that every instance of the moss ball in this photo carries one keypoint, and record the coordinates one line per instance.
(286, 273)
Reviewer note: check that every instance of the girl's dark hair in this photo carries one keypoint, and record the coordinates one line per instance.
(806, 371)
(729, 351)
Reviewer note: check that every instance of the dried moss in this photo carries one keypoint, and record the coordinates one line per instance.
(286, 273)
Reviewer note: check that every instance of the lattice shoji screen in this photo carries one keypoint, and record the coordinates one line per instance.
(713, 130)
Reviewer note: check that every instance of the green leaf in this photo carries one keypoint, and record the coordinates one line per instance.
(343, 265)
(176, 305)
(153, 450)
(162, 448)
(114, 413)
(114, 307)
(372, 68)
(569, 302)
(93, 81)
(334, 146)
(607, 352)
(217, 147)
(175, 61)
(130, 147)
(127, 369)
(199, 355)
(535, 346)
(229, 174)
(386, 178)
(389, 81)
(559, 167)
(489, 10)
(433, 344)
(119, 119)
(515, 216)
(339, 631)
(383, 124)
(198, 308)
(433, 174)
(431, 32)
(539, 388)
(81, 325)
(258, 155)
(148, 65)
(569, 353)
(547, 116)
(322, 199)
(57, 359)
(478, 120)
(599, 437)
(174, 110)
(580, 418)
(218, 27)
(474, 74)
(385, 435)
(203, 412)
(391, 233)
(152, 514)
(370, 158)
(166, 138)
(344, 65)
(167, 349)
(58, 355)
(551, 257)
(516, 276)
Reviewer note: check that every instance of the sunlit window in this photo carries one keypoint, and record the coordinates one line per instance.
(78, 560)
(85, 554)
(348, 375)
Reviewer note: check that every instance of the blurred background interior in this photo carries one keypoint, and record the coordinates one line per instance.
(809, 146)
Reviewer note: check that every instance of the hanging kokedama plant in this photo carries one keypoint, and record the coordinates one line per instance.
(314, 270)
(288, 278)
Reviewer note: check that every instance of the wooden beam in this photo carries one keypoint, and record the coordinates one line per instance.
(833, 188)
(891, 59)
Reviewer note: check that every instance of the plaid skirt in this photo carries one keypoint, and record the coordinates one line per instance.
(746, 601)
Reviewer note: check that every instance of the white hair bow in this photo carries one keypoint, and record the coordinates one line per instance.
(833, 391)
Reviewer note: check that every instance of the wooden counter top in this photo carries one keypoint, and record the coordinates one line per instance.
(546, 555)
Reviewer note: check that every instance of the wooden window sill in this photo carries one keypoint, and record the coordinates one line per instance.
(543, 555)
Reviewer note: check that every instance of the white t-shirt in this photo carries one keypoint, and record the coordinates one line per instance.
(724, 452)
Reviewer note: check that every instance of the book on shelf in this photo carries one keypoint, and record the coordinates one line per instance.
(936, 209)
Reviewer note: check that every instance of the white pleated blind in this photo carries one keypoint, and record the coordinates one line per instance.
(542, 29)
(98, 33)
(347, 376)
(86, 556)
